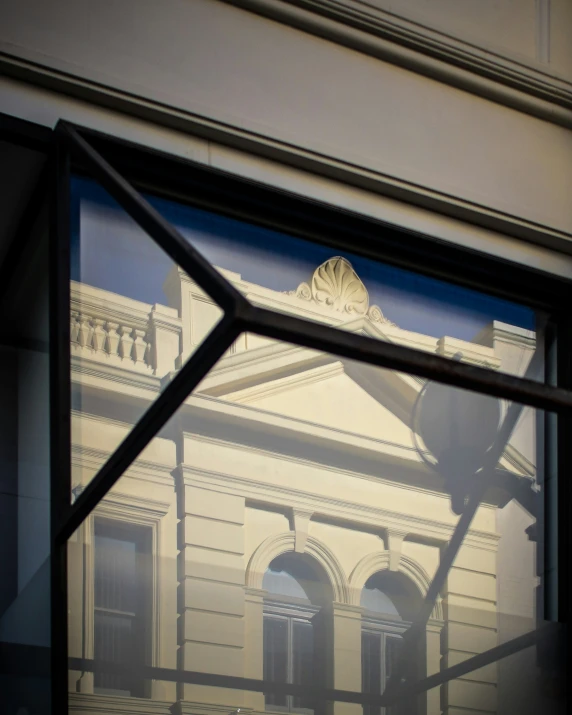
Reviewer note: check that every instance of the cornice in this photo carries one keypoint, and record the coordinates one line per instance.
(339, 509)
(398, 40)
(314, 432)
(309, 376)
(121, 503)
(93, 458)
(352, 174)
(127, 377)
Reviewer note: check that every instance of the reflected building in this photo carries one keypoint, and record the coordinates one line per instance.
(285, 524)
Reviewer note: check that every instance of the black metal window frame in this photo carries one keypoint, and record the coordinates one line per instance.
(103, 158)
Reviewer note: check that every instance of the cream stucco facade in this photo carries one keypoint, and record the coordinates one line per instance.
(282, 449)
(448, 122)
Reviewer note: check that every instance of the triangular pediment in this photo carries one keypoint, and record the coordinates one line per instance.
(320, 389)
(317, 390)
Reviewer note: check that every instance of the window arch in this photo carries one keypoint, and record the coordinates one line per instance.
(296, 593)
(389, 601)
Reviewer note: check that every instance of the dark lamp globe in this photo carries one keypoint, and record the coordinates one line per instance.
(458, 428)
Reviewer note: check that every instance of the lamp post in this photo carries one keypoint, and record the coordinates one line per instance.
(453, 430)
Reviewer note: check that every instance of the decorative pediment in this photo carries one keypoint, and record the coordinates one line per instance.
(337, 286)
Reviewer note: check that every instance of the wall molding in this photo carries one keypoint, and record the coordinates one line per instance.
(381, 561)
(239, 138)
(338, 510)
(397, 40)
(274, 546)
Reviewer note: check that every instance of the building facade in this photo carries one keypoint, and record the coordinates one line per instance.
(288, 520)
(284, 525)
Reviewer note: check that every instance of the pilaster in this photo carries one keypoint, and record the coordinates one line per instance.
(346, 652)
(196, 310)
(165, 332)
(254, 640)
(469, 605)
(212, 603)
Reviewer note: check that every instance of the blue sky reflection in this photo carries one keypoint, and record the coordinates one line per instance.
(110, 251)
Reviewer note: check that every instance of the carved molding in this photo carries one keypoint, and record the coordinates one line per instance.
(360, 514)
(274, 546)
(335, 285)
(393, 543)
(32, 71)
(426, 50)
(300, 524)
(380, 561)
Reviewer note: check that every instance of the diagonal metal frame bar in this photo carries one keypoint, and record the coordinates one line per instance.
(161, 231)
(164, 407)
(493, 655)
(200, 270)
(479, 487)
(241, 316)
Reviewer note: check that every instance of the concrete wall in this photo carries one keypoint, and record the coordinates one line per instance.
(320, 103)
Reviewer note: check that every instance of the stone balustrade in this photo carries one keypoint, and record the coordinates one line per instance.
(123, 343)
(122, 332)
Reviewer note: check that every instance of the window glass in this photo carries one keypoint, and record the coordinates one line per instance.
(275, 650)
(301, 504)
(293, 597)
(304, 660)
(530, 681)
(120, 601)
(301, 491)
(25, 635)
(129, 302)
(354, 293)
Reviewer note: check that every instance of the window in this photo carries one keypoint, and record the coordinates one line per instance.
(329, 422)
(389, 603)
(288, 654)
(121, 602)
(379, 650)
(291, 626)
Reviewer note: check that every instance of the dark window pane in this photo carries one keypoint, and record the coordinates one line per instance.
(392, 650)
(114, 641)
(371, 668)
(276, 657)
(393, 646)
(302, 659)
(115, 573)
(120, 599)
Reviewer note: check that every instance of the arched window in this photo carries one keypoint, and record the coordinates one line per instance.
(295, 596)
(389, 602)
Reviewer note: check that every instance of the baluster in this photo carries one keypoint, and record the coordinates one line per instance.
(83, 333)
(126, 342)
(139, 346)
(90, 333)
(112, 341)
(74, 326)
(98, 337)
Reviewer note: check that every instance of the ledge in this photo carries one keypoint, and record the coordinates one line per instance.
(349, 174)
(424, 50)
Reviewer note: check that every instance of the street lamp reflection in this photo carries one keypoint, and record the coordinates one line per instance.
(453, 430)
